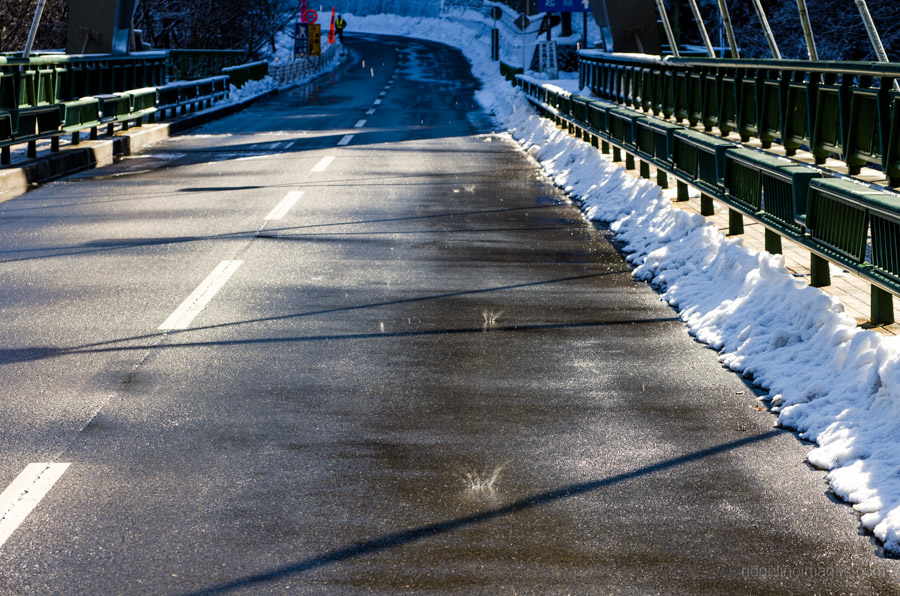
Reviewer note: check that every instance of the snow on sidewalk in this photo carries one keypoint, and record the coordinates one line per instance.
(836, 384)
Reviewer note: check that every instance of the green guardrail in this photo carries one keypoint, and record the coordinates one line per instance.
(842, 110)
(509, 72)
(838, 220)
(188, 65)
(240, 75)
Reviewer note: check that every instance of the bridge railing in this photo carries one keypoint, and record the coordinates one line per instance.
(188, 65)
(839, 220)
(847, 111)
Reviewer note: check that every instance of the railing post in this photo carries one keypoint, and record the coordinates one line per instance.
(772, 242)
(707, 207)
(882, 307)
(735, 223)
(819, 272)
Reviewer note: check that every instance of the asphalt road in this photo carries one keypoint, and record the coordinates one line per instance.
(408, 365)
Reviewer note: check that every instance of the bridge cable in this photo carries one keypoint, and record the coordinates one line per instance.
(667, 26)
(38, 11)
(696, 10)
(729, 30)
(880, 54)
(807, 30)
(773, 47)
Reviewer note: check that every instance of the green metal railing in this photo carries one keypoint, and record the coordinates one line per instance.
(240, 75)
(843, 110)
(188, 65)
(837, 219)
(46, 96)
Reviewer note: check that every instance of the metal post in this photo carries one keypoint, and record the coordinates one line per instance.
(729, 30)
(38, 11)
(667, 26)
(584, 23)
(699, 18)
(807, 30)
(880, 54)
(773, 47)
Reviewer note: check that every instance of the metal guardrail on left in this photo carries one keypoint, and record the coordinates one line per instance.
(289, 71)
(46, 97)
(189, 65)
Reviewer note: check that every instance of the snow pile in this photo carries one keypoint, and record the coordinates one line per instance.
(835, 383)
(251, 89)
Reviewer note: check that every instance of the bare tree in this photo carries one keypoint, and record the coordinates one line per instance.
(15, 21)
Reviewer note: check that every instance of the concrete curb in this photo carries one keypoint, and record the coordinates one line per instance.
(17, 181)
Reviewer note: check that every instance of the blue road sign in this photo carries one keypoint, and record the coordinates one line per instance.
(564, 5)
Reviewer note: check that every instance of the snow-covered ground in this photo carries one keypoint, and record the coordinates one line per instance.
(836, 384)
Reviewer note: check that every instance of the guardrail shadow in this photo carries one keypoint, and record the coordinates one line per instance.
(413, 535)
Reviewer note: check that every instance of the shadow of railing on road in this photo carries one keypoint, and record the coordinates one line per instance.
(413, 535)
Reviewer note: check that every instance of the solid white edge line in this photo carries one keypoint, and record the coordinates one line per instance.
(323, 163)
(359, 124)
(285, 204)
(23, 495)
(346, 140)
(194, 304)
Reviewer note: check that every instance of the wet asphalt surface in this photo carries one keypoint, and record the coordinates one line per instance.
(430, 376)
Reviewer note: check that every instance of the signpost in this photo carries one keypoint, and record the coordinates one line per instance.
(570, 6)
(315, 40)
(563, 5)
(301, 40)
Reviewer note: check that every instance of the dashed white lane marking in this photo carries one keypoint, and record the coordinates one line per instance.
(359, 124)
(382, 94)
(24, 494)
(194, 304)
(370, 112)
(323, 163)
(285, 204)
(346, 140)
(377, 102)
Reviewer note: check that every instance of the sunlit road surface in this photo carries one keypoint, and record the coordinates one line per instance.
(350, 340)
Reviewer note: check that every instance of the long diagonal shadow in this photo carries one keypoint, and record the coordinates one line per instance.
(405, 537)
(32, 353)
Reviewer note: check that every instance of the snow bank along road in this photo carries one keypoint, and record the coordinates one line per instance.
(352, 340)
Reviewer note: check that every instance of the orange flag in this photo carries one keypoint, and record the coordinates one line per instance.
(331, 31)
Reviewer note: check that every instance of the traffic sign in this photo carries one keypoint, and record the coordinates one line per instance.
(310, 16)
(564, 5)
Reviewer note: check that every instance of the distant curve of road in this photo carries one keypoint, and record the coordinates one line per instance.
(351, 340)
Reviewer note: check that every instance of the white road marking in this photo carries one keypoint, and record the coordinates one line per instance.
(323, 163)
(199, 298)
(370, 112)
(285, 204)
(359, 124)
(24, 494)
(377, 102)
(346, 140)
(382, 94)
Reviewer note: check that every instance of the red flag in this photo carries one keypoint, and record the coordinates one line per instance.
(331, 31)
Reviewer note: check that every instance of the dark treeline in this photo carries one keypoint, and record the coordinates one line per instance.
(15, 21)
(250, 25)
(837, 27)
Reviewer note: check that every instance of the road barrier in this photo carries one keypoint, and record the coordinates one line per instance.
(293, 70)
(839, 220)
